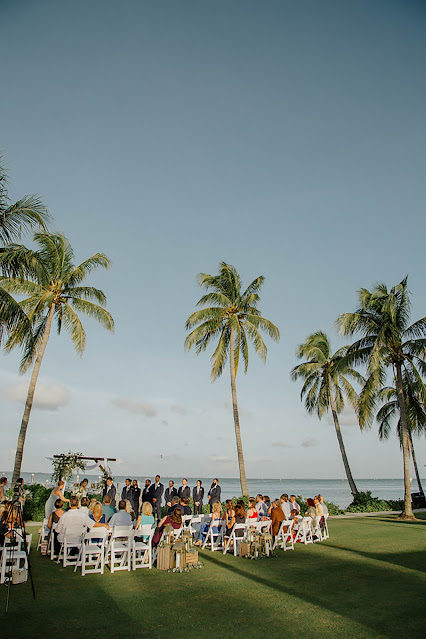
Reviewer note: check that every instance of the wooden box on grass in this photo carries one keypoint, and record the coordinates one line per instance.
(165, 558)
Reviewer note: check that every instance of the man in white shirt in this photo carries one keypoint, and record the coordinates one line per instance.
(293, 504)
(285, 505)
(73, 518)
(122, 518)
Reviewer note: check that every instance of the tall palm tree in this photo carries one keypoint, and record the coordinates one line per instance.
(415, 412)
(326, 382)
(231, 316)
(387, 341)
(15, 218)
(53, 291)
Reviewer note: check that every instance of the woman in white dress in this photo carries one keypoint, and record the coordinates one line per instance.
(57, 493)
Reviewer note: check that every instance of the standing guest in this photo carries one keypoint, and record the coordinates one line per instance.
(169, 493)
(156, 494)
(3, 482)
(57, 493)
(54, 519)
(110, 490)
(277, 516)
(214, 493)
(84, 505)
(251, 511)
(323, 504)
(136, 496)
(285, 505)
(127, 491)
(83, 487)
(121, 518)
(146, 493)
(184, 490)
(261, 508)
(198, 496)
(294, 504)
(175, 520)
(107, 507)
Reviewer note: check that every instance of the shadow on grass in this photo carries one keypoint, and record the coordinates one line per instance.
(382, 600)
(412, 559)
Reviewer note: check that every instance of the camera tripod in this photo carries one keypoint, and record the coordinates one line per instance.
(15, 520)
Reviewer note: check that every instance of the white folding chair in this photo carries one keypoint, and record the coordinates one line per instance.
(44, 533)
(91, 557)
(120, 548)
(324, 529)
(316, 530)
(215, 539)
(142, 547)
(12, 558)
(284, 537)
(235, 540)
(51, 544)
(72, 540)
(304, 531)
(263, 526)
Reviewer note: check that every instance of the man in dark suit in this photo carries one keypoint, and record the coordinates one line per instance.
(198, 496)
(146, 493)
(127, 492)
(136, 496)
(169, 493)
(110, 490)
(184, 490)
(214, 492)
(156, 494)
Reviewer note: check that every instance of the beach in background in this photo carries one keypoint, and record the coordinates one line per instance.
(335, 490)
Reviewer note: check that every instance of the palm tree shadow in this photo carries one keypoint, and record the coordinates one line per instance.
(414, 560)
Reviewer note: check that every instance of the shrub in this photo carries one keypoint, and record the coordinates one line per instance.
(34, 506)
(364, 503)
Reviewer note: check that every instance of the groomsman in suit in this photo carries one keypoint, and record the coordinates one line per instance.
(214, 493)
(146, 493)
(184, 490)
(156, 494)
(110, 490)
(127, 492)
(136, 496)
(198, 496)
(169, 493)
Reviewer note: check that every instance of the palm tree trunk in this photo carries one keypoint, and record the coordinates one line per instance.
(30, 398)
(416, 470)
(352, 485)
(408, 510)
(241, 466)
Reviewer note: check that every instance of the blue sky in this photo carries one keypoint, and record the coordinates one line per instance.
(286, 138)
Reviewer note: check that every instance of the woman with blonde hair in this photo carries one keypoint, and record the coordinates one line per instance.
(214, 522)
(97, 514)
(57, 493)
(146, 516)
(92, 504)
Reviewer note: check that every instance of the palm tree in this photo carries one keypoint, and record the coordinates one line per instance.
(415, 412)
(387, 340)
(53, 291)
(15, 218)
(325, 384)
(231, 316)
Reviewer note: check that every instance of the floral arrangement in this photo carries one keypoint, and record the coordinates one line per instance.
(65, 464)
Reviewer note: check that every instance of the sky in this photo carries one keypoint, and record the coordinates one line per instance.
(285, 138)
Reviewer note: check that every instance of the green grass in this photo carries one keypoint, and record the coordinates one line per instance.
(367, 580)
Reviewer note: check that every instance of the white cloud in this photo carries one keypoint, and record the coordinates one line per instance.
(281, 444)
(139, 408)
(180, 410)
(47, 396)
(309, 442)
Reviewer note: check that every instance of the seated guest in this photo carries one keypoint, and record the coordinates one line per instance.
(92, 504)
(174, 519)
(108, 508)
(240, 518)
(146, 516)
(129, 509)
(294, 503)
(311, 511)
(215, 521)
(251, 511)
(229, 516)
(261, 508)
(122, 517)
(54, 519)
(74, 517)
(175, 504)
(267, 503)
(84, 505)
(97, 514)
(285, 505)
(318, 507)
(323, 504)
(185, 507)
(277, 516)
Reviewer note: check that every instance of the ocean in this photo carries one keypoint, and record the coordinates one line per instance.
(335, 490)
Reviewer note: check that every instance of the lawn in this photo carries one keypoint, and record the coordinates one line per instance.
(367, 580)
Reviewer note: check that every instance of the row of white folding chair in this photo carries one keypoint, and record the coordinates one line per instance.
(44, 533)
(284, 537)
(13, 556)
(235, 539)
(215, 539)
